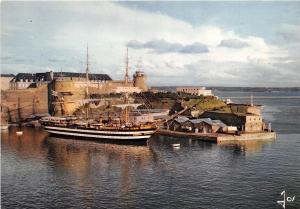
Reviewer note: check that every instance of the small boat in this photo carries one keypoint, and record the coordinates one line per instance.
(176, 146)
(19, 133)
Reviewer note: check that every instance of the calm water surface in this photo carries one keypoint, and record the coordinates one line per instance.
(38, 171)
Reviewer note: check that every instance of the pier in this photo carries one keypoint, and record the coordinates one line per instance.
(218, 137)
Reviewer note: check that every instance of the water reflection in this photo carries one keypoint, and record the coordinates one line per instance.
(28, 145)
(245, 147)
(91, 167)
(76, 155)
(166, 142)
(46, 172)
(73, 153)
(86, 159)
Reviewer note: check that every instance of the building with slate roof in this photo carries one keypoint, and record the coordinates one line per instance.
(23, 81)
(81, 76)
(204, 125)
(200, 125)
(194, 90)
(34, 80)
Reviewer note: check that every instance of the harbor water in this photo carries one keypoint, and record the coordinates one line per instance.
(38, 171)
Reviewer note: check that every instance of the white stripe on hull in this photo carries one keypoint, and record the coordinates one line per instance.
(100, 136)
(98, 131)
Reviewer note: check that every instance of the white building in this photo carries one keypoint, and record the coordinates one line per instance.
(194, 90)
(127, 89)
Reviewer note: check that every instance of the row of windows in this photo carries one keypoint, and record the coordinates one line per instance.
(187, 90)
(31, 80)
(79, 79)
(19, 84)
(254, 119)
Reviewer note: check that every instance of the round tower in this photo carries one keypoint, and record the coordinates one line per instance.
(68, 93)
(139, 80)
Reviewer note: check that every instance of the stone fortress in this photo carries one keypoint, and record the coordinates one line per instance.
(98, 83)
(73, 87)
(40, 91)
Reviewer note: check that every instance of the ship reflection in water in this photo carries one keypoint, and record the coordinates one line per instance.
(81, 159)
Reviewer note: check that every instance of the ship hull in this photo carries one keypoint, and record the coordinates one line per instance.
(136, 135)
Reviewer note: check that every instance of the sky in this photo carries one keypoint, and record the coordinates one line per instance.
(174, 43)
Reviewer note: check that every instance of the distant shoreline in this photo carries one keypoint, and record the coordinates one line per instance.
(244, 89)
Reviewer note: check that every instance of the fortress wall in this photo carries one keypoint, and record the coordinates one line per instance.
(39, 100)
(78, 92)
(4, 84)
(32, 101)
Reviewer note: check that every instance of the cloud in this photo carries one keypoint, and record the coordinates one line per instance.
(233, 43)
(173, 51)
(56, 60)
(289, 33)
(12, 59)
(195, 48)
(162, 46)
(158, 46)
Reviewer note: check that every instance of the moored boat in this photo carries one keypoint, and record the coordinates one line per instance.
(67, 126)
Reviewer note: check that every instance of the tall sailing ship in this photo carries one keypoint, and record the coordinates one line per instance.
(120, 128)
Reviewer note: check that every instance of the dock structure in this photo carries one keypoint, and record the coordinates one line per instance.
(218, 137)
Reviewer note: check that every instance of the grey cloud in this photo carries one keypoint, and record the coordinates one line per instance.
(162, 46)
(14, 60)
(289, 33)
(245, 74)
(233, 43)
(55, 60)
(195, 48)
(6, 58)
(289, 36)
(207, 72)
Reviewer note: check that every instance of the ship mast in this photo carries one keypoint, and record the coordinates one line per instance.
(87, 81)
(127, 61)
(126, 108)
(126, 82)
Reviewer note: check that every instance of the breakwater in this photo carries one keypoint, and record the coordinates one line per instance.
(218, 137)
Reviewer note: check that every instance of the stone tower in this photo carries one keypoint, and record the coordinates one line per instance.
(139, 80)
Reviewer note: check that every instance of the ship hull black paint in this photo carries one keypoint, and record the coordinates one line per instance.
(133, 136)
